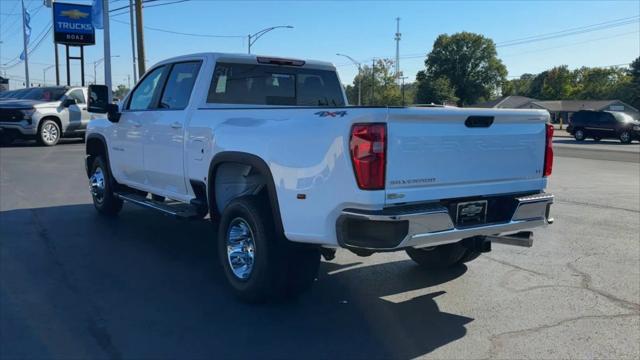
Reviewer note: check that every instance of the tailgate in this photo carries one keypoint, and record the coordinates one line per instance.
(432, 154)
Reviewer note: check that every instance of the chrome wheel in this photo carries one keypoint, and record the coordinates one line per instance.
(97, 185)
(240, 248)
(49, 133)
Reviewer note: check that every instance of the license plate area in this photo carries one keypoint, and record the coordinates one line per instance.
(471, 213)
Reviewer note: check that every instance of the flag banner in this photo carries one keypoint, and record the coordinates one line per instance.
(96, 14)
(27, 29)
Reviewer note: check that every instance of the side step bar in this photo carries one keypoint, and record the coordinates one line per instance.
(523, 238)
(177, 209)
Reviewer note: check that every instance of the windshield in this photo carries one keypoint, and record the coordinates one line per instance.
(622, 117)
(44, 94)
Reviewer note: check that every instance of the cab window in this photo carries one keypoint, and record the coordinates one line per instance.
(77, 95)
(179, 85)
(143, 95)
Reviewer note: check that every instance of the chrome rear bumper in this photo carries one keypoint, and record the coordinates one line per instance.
(431, 224)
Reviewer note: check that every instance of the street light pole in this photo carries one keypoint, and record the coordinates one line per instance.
(95, 67)
(44, 75)
(359, 66)
(252, 38)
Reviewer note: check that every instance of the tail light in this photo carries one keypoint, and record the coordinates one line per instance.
(368, 147)
(548, 152)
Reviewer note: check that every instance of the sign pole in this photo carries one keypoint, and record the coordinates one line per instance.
(68, 66)
(82, 65)
(55, 47)
(107, 49)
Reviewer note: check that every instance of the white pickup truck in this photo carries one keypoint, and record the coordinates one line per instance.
(270, 150)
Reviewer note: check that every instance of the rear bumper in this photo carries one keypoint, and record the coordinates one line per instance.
(431, 224)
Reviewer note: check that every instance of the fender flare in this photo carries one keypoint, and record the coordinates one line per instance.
(255, 162)
(103, 141)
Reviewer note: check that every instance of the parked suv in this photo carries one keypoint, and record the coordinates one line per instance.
(44, 113)
(604, 125)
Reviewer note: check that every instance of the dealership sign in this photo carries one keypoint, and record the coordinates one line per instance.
(72, 24)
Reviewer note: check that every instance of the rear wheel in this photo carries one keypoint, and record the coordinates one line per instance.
(101, 185)
(49, 133)
(579, 135)
(259, 264)
(625, 137)
(442, 256)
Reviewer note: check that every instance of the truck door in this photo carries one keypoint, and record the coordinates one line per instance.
(77, 112)
(126, 151)
(164, 139)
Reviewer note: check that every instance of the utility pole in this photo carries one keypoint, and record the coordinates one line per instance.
(128, 81)
(140, 38)
(133, 41)
(24, 43)
(398, 36)
(373, 80)
(402, 89)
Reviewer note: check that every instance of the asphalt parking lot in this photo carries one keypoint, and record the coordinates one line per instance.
(145, 286)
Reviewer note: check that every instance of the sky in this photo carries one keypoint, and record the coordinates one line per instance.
(360, 29)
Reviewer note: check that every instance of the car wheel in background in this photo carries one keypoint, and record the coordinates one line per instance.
(625, 137)
(579, 135)
(101, 186)
(49, 133)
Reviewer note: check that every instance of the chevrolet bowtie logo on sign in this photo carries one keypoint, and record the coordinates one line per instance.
(72, 24)
(74, 14)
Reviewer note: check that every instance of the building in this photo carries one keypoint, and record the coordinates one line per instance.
(560, 109)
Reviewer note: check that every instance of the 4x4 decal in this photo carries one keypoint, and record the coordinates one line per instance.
(331, 113)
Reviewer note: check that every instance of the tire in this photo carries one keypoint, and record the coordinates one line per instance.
(439, 257)
(597, 138)
(264, 266)
(469, 255)
(49, 133)
(625, 137)
(102, 184)
(579, 135)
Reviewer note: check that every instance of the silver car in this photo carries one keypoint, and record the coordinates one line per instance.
(45, 114)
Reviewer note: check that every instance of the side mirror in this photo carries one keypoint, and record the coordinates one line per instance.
(68, 102)
(99, 102)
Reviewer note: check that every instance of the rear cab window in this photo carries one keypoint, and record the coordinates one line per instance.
(258, 84)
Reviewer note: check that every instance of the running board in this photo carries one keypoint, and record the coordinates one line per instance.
(177, 209)
(523, 238)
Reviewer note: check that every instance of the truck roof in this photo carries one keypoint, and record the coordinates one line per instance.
(247, 58)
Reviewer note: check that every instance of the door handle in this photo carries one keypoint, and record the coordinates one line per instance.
(135, 123)
(176, 125)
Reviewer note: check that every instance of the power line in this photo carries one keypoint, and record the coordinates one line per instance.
(182, 33)
(585, 27)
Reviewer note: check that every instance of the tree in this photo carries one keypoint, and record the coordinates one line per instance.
(632, 90)
(600, 83)
(121, 92)
(469, 62)
(520, 87)
(433, 90)
(379, 87)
